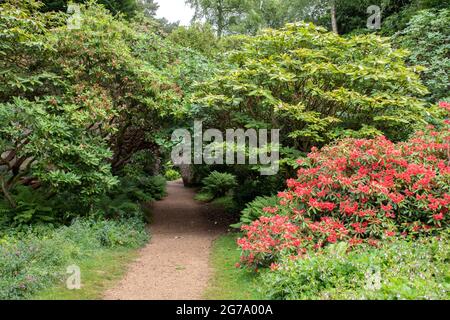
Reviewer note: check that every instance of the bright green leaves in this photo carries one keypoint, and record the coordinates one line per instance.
(23, 33)
(56, 150)
(314, 84)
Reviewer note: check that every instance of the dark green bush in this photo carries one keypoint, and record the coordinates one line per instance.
(254, 185)
(142, 188)
(153, 186)
(78, 106)
(255, 209)
(124, 201)
(31, 207)
(219, 184)
(119, 207)
(427, 38)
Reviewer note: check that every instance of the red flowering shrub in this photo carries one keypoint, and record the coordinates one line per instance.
(357, 190)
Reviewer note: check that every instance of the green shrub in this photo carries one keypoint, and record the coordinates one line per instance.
(119, 207)
(416, 269)
(255, 209)
(172, 175)
(252, 185)
(128, 233)
(153, 186)
(31, 207)
(141, 188)
(80, 105)
(314, 86)
(219, 184)
(199, 37)
(427, 37)
(33, 258)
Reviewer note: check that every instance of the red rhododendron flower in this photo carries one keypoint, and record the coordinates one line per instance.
(358, 191)
(390, 233)
(438, 217)
(270, 209)
(444, 105)
(274, 266)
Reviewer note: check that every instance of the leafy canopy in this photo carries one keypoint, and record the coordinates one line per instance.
(427, 37)
(315, 86)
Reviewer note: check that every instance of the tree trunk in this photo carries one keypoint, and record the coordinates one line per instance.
(220, 20)
(187, 174)
(6, 194)
(333, 17)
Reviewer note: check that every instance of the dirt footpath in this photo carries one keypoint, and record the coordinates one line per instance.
(175, 264)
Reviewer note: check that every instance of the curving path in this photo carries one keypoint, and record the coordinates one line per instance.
(174, 265)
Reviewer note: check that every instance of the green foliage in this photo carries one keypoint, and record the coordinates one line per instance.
(198, 37)
(226, 204)
(47, 143)
(222, 14)
(35, 258)
(255, 209)
(315, 86)
(127, 7)
(219, 184)
(76, 106)
(172, 175)
(31, 207)
(251, 16)
(130, 197)
(231, 42)
(252, 185)
(400, 269)
(100, 271)
(204, 197)
(154, 186)
(124, 205)
(351, 15)
(427, 38)
(227, 281)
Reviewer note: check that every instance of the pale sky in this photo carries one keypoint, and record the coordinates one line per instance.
(175, 10)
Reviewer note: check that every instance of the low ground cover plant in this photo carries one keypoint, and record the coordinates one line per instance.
(399, 269)
(34, 258)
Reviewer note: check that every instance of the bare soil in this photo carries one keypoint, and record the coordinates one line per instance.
(175, 264)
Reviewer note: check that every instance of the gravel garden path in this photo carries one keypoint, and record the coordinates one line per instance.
(175, 264)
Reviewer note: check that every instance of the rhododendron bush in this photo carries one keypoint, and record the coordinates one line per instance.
(358, 191)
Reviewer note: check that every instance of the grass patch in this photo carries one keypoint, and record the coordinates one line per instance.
(229, 282)
(34, 259)
(226, 203)
(98, 273)
(204, 196)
